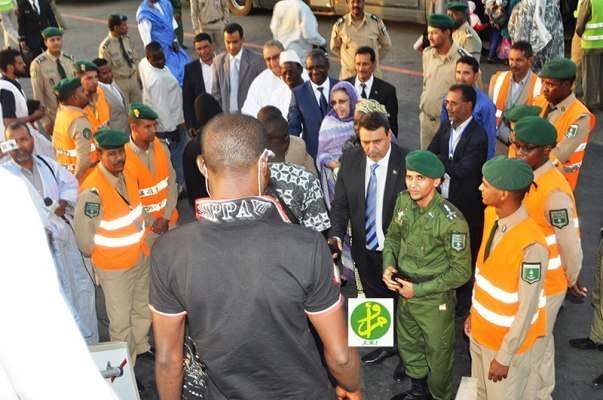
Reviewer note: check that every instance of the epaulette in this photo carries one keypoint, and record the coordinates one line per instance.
(40, 59)
(468, 32)
(105, 44)
(464, 52)
(94, 190)
(70, 56)
(450, 211)
(339, 21)
(376, 17)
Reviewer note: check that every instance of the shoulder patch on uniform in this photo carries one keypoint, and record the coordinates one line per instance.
(458, 241)
(87, 133)
(339, 21)
(449, 210)
(375, 17)
(571, 131)
(69, 56)
(92, 210)
(559, 218)
(106, 44)
(40, 59)
(530, 272)
(33, 73)
(468, 32)
(464, 52)
(384, 30)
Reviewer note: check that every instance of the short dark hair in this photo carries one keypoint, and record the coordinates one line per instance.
(199, 37)
(8, 57)
(232, 142)
(467, 92)
(367, 50)
(276, 126)
(99, 62)
(234, 27)
(317, 53)
(115, 20)
(373, 121)
(16, 125)
(524, 47)
(471, 61)
(269, 109)
(152, 48)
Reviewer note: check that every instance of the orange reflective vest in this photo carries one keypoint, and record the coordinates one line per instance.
(153, 189)
(63, 143)
(571, 168)
(102, 115)
(535, 201)
(495, 294)
(501, 83)
(120, 236)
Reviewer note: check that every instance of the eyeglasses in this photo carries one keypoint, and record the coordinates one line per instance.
(527, 148)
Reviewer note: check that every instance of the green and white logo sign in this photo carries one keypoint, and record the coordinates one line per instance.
(370, 322)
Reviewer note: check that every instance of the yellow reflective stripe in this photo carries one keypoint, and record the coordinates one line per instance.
(155, 207)
(490, 316)
(154, 189)
(554, 263)
(581, 147)
(572, 167)
(497, 293)
(551, 240)
(594, 25)
(498, 113)
(119, 242)
(73, 153)
(576, 223)
(592, 38)
(122, 222)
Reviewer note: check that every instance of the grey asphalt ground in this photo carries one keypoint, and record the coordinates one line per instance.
(86, 23)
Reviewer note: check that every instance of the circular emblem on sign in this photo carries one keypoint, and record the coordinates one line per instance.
(87, 133)
(370, 320)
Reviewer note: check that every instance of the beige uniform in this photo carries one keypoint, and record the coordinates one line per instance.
(466, 37)
(44, 75)
(80, 132)
(438, 75)
(349, 34)
(210, 16)
(596, 328)
(147, 158)
(129, 316)
(124, 73)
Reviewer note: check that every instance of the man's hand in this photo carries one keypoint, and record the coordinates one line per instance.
(37, 114)
(160, 225)
(335, 242)
(467, 326)
(60, 210)
(175, 46)
(578, 289)
(392, 285)
(191, 132)
(497, 371)
(406, 290)
(343, 394)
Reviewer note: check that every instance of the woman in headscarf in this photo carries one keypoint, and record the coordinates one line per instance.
(206, 107)
(337, 127)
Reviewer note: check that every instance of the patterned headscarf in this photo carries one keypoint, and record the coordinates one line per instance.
(369, 105)
(351, 91)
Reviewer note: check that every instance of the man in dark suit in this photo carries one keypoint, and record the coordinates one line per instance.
(33, 19)
(369, 86)
(379, 162)
(234, 70)
(461, 144)
(311, 101)
(197, 79)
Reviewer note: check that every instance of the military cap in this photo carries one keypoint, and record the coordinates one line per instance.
(109, 139)
(535, 130)
(118, 17)
(141, 111)
(51, 31)
(508, 173)
(67, 86)
(516, 113)
(441, 21)
(84, 66)
(426, 163)
(457, 6)
(559, 68)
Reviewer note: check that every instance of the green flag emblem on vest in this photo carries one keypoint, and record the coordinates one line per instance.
(530, 272)
(458, 241)
(572, 131)
(92, 209)
(87, 133)
(559, 218)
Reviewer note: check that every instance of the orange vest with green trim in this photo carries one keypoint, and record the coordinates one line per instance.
(63, 144)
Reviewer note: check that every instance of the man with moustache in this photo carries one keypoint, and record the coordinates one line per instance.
(97, 110)
(197, 79)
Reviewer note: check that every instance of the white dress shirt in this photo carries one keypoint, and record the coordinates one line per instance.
(208, 76)
(455, 137)
(35, 5)
(517, 88)
(327, 89)
(369, 86)
(235, 62)
(144, 27)
(267, 89)
(381, 173)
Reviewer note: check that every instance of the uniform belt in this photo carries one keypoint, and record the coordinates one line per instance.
(213, 22)
(418, 279)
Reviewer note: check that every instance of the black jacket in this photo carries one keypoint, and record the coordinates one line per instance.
(31, 24)
(385, 94)
(192, 86)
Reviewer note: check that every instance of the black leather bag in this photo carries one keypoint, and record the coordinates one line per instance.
(195, 379)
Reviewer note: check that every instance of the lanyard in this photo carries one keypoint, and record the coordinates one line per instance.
(519, 92)
(452, 143)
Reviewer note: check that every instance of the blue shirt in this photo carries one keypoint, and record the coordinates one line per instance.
(484, 114)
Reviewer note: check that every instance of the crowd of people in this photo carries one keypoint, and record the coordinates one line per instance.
(480, 224)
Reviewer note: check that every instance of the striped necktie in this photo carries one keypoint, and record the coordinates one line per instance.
(370, 213)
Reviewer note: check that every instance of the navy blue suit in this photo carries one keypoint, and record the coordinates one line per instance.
(305, 116)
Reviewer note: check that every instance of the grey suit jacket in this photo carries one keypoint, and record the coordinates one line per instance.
(118, 110)
(251, 65)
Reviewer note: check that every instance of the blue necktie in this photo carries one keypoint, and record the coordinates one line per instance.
(324, 106)
(370, 213)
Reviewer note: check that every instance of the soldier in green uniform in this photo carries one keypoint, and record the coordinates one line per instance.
(118, 50)
(427, 244)
(464, 35)
(47, 70)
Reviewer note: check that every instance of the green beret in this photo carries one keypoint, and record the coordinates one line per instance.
(118, 17)
(426, 163)
(84, 66)
(559, 68)
(51, 31)
(457, 6)
(109, 139)
(516, 113)
(67, 86)
(141, 111)
(508, 173)
(441, 21)
(535, 130)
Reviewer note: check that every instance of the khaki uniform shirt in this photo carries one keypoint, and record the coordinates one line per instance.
(466, 37)
(82, 143)
(208, 12)
(570, 142)
(438, 75)
(44, 75)
(110, 50)
(348, 35)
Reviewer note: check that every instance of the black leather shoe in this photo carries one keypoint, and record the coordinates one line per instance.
(418, 391)
(598, 382)
(399, 372)
(377, 356)
(585, 344)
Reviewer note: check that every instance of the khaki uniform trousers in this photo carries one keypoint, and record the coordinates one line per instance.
(429, 127)
(216, 31)
(127, 302)
(130, 88)
(596, 328)
(513, 387)
(576, 56)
